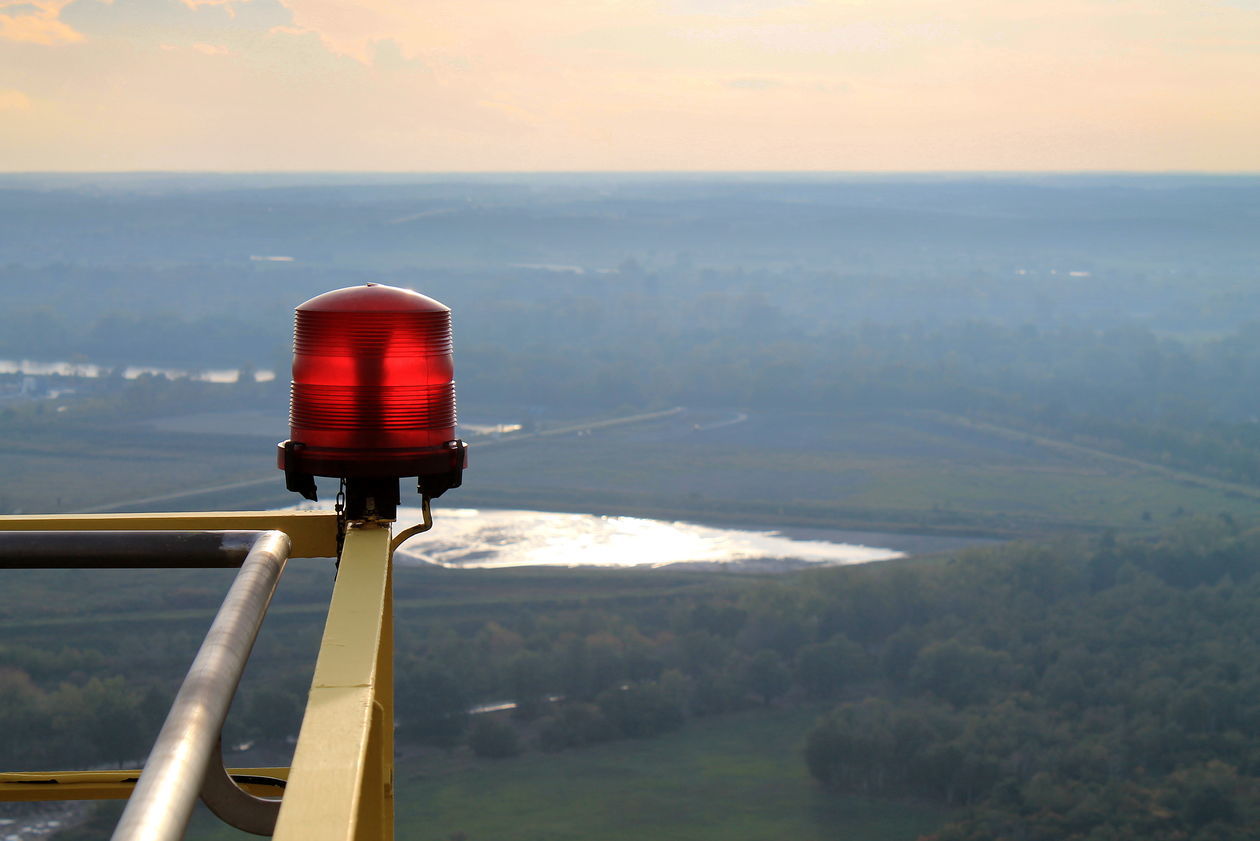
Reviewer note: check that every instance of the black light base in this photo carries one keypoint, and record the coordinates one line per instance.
(371, 499)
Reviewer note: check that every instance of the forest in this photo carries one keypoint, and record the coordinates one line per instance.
(1064, 370)
(1071, 690)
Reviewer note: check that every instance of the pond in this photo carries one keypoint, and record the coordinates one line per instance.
(488, 538)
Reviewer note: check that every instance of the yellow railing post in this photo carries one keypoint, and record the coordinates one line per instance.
(340, 784)
(385, 700)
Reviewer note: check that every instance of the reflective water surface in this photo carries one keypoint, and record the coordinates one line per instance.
(466, 537)
(91, 370)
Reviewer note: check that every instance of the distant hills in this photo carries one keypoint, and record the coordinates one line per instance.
(841, 222)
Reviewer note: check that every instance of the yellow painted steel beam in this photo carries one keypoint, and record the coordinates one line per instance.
(30, 786)
(340, 786)
(312, 533)
(385, 703)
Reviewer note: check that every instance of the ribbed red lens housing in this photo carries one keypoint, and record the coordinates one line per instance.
(373, 384)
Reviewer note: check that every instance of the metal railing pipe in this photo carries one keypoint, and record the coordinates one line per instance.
(223, 795)
(172, 778)
(124, 549)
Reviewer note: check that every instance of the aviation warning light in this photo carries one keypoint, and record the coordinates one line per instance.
(373, 398)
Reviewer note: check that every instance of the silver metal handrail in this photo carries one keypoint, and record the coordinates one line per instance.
(180, 765)
(124, 549)
(173, 776)
(234, 805)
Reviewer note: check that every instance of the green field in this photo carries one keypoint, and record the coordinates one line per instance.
(863, 470)
(733, 778)
(83, 467)
(877, 471)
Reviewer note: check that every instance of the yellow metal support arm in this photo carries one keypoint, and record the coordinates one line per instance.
(312, 533)
(108, 785)
(341, 783)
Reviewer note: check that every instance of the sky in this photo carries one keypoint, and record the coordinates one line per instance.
(630, 85)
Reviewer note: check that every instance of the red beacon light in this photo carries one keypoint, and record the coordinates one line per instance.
(373, 398)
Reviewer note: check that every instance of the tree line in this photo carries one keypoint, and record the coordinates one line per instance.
(1091, 689)
(720, 339)
(1081, 689)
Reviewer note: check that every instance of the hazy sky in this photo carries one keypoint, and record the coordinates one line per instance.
(440, 85)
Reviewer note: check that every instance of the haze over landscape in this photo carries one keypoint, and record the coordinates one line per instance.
(863, 400)
(932, 362)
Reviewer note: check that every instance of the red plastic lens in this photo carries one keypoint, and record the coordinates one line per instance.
(373, 383)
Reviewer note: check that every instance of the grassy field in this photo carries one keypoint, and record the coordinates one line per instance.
(733, 778)
(78, 468)
(889, 472)
(898, 472)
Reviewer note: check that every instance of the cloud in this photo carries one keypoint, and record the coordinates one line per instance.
(484, 30)
(211, 49)
(145, 24)
(228, 6)
(730, 8)
(354, 33)
(36, 22)
(633, 84)
(754, 84)
(512, 111)
(11, 100)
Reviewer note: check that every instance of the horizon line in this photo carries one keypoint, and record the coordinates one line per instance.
(644, 172)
